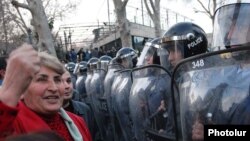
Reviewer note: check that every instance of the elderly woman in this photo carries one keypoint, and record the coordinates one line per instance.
(36, 77)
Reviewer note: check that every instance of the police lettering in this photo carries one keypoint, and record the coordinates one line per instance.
(194, 43)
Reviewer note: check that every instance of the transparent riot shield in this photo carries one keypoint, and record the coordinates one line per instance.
(108, 81)
(117, 133)
(121, 105)
(80, 87)
(96, 92)
(105, 101)
(87, 86)
(148, 102)
(213, 89)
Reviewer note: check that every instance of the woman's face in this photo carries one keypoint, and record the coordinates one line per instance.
(45, 93)
(68, 86)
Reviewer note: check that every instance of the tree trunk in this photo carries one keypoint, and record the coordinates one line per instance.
(154, 15)
(40, 23)
(157, 19)
(4, 26)
(123, 23)
(124, 29)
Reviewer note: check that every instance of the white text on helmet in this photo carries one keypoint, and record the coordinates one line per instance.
(194, 43)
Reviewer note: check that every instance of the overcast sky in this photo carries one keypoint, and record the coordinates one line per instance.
(94, 10)
(91, 11)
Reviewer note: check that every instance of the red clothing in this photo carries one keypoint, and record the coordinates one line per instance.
(21, 120)
(56, 123)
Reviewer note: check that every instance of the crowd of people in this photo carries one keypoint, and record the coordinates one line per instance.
(170, 92)
(85, 55)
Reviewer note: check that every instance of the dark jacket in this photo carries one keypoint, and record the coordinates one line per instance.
(81, 109)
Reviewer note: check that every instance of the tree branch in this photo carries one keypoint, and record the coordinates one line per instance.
(124, 3)
(202, 5)
(204, 12)
(207, 10)
(15, 19)
(25, 26)
(208, 6)
(22, 5)
(152, 5)
(20, 26)
(214, 6)
(47, 3)
(148, 9)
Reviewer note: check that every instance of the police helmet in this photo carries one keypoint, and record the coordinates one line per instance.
(127, 54)
(70, 66)
(150, 53)
(104, 61)
(186, 37)
(92, 64)
(83, 66)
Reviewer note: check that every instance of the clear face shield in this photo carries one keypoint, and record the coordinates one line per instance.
(104, 64)
(147, 55)
(93, 66)
(231, 26)
(129, 61)
(172, 53)
(82, 68)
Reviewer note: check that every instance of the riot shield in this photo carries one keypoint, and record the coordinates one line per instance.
(108, 81)
(96, 92)
(117, 134)
(87, 86)
(213, 88)
(148, 102)
(80, 87)
(105, 101)
(121, 105)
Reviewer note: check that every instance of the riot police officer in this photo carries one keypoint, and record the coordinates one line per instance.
(80, 82)
(148, 93)
(120, 91)
(226, 100)
(97, 91)
(181, 41)
(71, 67)
(113, 66)
(91, 66)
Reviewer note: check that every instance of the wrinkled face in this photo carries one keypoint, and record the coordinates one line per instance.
(68, 86)
(45, 92)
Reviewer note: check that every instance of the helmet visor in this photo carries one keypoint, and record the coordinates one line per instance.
(175, 52)
(146, 57)
(231, 26)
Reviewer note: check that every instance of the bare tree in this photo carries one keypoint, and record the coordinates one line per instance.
(40, 23)
(8, 30)
(4, 24)
(56, 9)
(209, 9)
(123, 23)
(154, 13)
